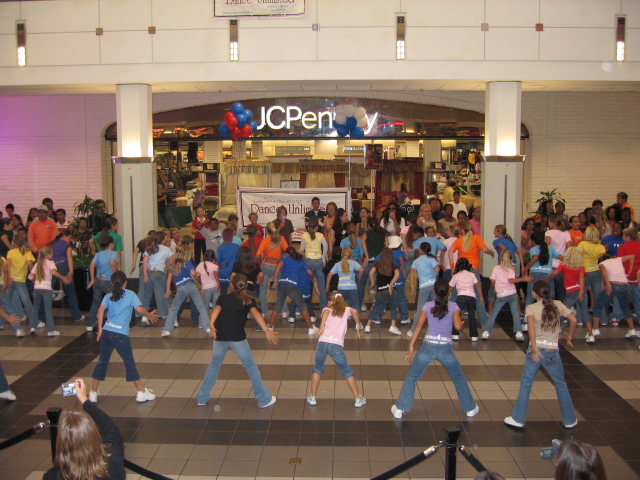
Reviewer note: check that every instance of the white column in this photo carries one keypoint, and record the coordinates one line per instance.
(502, 170)
(134, 172)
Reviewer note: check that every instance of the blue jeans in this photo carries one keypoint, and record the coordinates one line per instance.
(362, 283)
(634, 290)
(592, 281)
(336, 352)
(44, 297)
(424, 295)
(268, 271)
(482, 312)
(17, 292)
(307, 301)
(558, 286)
(5, 304)
(534, 278)
(444, 354)
(122, 344)
(4, 384)
(350, 297)
(621, 292)
(209, 295)
(468, 303)
(403, 306)
(512, 300)
(69, 290)
(447, 276)
(380, 301)
(582, 307)
(140, 286)
(195, 315)
(100, 289)
(315, 265)
(242, 350)
(157, 284)
(289, 290)
(553, 365)
(190, 290)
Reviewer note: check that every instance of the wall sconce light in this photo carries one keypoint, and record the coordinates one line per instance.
(21, 35)
(400, 37)
(620, 32)
(233, 40)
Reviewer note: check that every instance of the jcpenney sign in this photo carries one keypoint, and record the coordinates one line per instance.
(277, 118)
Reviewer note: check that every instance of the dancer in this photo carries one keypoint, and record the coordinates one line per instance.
(207, 272)
(442, 315)
(349, 273)
(155, 281)
(384, 276)
(314, 246)
(41, 274)
(544, 328)
(19, 264)
(427, 269)
(115, 335)
(541, 263)
(5, 391)
(465, 285)
(227, 330)
(331, 342)
(104, 263)
(269, 254)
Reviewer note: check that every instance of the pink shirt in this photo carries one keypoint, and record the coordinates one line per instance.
(559, 241)
(335, 328)
(464, 282)
(615, 270)
(45, 284)
(501, 277)
(207, 279)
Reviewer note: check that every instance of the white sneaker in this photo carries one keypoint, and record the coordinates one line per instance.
(32, 331)
(455, 337)
(485, 335)
(311, 331)
(89, 329)
(394, 330)
(519, 336)
(405, 322)
(311, 400)
(20, 333)
(525, 327)
(93, 396)
(81, 319)
(363, 308)
(8, 395)
(176, 325)
(596, 332)
(145, 396)
(165, 333)
(208, 331)
(590, 338)
(474, 412)
(409, 334)
(144, 322)
(273, 400)
(511, 422)
(292, 320)
(23, 318)
(474, 339)
(377, 322)
(571, 425)
(360, 402)
(41, 325)
(55, 333)
(396, 412)
(285, 313)
(314, 319)
(630, 334)
(271, 329)
(367, 329)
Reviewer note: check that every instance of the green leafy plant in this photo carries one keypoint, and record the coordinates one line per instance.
(551, 196)
(89, 209)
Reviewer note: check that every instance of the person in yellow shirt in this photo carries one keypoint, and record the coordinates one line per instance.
(19, 264)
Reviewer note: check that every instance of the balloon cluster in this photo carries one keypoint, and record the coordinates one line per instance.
(238, 122)
(350, 120)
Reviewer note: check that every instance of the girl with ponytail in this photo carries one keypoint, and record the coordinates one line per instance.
(41, 275)
(154, 263)
(543, 318)
(114, 334)
(315, 247)
(541, 263)
(349, 273)
(269, 254)
(227, 330)
(442, 316)
(426, 268)
(110, 230)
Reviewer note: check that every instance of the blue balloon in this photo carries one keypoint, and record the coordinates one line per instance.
(242, 120)
(237, 108)
(254, 126)
(357, 133)
(351, 122)
(342, 130)
(224, 130)
(248, 113)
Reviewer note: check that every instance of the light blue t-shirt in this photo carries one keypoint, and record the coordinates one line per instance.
(119, 312)
(358, 252)
(425, 266)
(548, 268)
(158, 260)
(103, 263)
(346, 281)
(436, 245)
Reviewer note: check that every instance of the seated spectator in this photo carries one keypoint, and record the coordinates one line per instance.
(61, 219)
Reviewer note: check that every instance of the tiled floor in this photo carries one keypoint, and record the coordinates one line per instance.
(231, 438)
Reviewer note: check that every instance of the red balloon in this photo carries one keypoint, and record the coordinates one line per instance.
(247, 131)
(232, 122)
(229, 115)
(236, 133)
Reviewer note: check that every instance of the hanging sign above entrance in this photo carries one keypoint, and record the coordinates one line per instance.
(257, 8)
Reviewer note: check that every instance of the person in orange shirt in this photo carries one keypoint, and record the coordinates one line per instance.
(270, 253)
(575, 232)
(42, 231)
(621, 199)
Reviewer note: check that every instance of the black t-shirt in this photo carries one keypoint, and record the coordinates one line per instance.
(333, 284)
(383, 281)
(142, 246)
(251, 276)
(230, 323)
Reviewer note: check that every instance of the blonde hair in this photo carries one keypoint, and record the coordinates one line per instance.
(502, 230)
(80, 453)
(600, 217)
(275, 235)
(506, 261)
(573, 258)
(177, 261)
(42, 256)
(591, 234)
(468, 234)
(346, 254)
(339, 305)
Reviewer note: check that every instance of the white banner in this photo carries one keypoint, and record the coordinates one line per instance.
(253, 8)
(265, 202)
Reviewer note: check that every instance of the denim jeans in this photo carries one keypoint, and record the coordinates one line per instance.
(447, 276)
(100, 289)
(621, 292)
(593, 281)
(336, 352)
(424, 295)
(17, 292)
(69, 290)
(582, 307)
(553, 365)
(289, 290)
(634, 290)
(268, 271)
(209, 295)
(307, 301)
(403, 306)
(44, 297)
(512, 300)
(315, 265)
(362, 283)
(350, 297)
(380, 301)
(534, 278)
(242, 350)
(482, 312)
(468, 303)
(140, 286)
(444, 354)
(122, 344)
(195, 314)
(5, 304)
(190, 290)
(4, 384)
(157, 283)
(558, 286)
(616, 311)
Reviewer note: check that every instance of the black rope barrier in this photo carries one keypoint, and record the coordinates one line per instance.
(143, 471)
(475, 463)
(412, 462)
(23, 436)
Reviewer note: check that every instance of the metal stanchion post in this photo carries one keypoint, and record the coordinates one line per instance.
(452, 445)
(53, 414)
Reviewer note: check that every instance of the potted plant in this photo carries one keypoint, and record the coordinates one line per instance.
(546, 205)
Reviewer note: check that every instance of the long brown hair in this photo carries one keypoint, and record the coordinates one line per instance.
(239, 283)
(42, 256)
(339, 305)
(312, 228)
(550, 313)
(579, 461)
(80, 453)
(385, 265)
(178, 260)
(151, 246)
(347, 253)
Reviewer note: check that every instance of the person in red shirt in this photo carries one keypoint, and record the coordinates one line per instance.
(199, 241)
(631, 246)
(42, 231)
